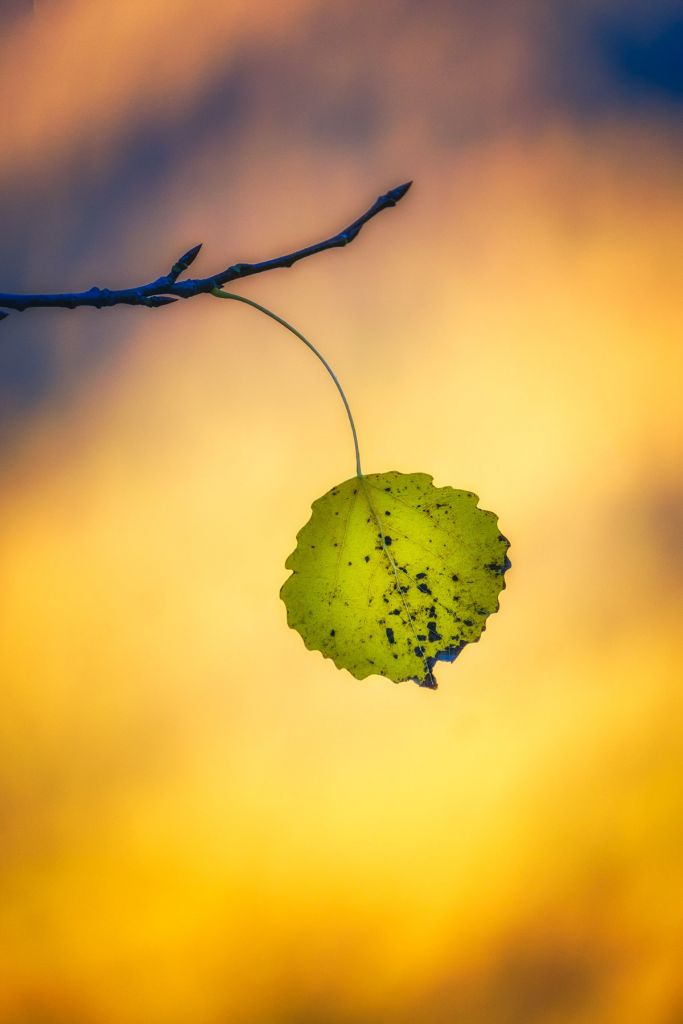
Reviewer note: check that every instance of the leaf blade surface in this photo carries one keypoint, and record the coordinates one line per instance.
(392, 574)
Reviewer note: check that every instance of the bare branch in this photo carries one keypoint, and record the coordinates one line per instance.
(168, 289)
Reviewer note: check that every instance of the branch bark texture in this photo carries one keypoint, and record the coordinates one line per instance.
(168, 288)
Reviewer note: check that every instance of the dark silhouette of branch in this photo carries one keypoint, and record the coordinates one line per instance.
(168, 289)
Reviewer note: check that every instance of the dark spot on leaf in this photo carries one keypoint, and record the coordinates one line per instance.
(497, 568)
(420, 575)
(455, 578)
(387, 513)
(367, 558)
(423, 588)
(332, 632)
(387, 541)
(390, 635)
(450, 654)
(421, 636)
(468, 622)
(419, 651)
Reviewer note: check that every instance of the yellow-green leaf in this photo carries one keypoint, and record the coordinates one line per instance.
(392, 574)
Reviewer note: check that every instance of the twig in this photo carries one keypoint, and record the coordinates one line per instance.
(168, 289)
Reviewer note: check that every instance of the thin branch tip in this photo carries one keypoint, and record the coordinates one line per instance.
(186, 260)
(399, 192)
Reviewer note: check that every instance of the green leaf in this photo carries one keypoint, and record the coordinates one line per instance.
(392, 574)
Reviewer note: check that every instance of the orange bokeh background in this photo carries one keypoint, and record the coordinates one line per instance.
(202, 821)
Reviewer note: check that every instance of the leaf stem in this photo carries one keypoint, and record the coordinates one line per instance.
(220, 294)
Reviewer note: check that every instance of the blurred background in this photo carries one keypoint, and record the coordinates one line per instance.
(200, 820)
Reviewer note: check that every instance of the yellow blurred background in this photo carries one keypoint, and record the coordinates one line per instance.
(200, 820)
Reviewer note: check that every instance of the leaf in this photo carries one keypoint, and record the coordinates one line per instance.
(392, 574)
